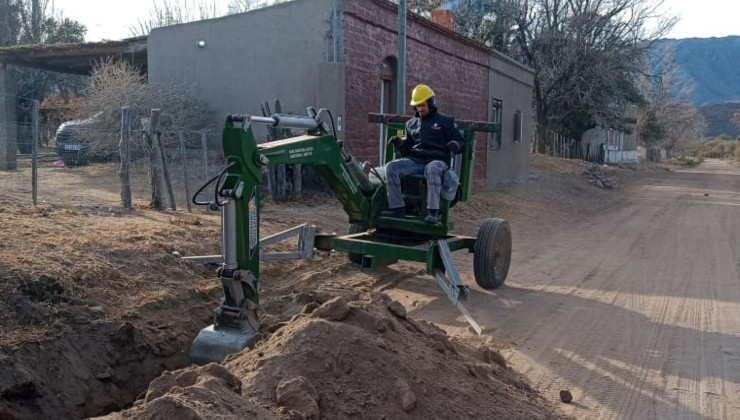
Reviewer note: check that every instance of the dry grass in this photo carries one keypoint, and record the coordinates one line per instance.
(556, 166)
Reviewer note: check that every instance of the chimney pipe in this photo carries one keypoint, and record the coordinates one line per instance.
(444, 18)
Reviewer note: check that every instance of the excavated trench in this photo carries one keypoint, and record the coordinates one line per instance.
(84, 362)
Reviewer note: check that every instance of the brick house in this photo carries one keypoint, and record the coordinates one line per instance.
(307, 54)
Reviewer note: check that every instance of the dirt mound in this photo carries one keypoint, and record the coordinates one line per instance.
(359, 359)
(597, 177)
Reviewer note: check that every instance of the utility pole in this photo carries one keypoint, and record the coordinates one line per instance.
(401, 105)
(334, 29)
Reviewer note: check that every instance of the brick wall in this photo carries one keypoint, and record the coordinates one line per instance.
(454, 67)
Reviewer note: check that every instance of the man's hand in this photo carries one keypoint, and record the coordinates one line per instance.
(454, 147)
(395, 141)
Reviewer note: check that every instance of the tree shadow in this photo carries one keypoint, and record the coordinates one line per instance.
(623, 363)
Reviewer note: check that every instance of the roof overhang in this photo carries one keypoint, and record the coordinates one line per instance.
(79, 58)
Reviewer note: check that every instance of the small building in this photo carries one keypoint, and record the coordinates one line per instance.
(309, 53)
(609, 145)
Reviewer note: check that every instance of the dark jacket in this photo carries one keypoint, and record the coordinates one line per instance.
(426, 138)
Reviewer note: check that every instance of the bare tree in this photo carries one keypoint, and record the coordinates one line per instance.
(666, 118)
(735, 120)
(172, 12)
(241, 6)
(115, 84)
(585, 53)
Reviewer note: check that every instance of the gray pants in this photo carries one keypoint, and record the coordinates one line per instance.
(432, 172)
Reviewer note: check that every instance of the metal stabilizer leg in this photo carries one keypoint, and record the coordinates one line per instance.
(452, 285)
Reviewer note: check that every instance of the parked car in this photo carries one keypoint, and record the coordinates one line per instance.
(76, 142)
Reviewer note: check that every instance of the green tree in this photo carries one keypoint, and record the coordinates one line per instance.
(650, 129)
(37, 84)
(61, 30)
(11, 22)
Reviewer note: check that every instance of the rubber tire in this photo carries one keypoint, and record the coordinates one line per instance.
(356, 228)
(492, 254)
(74, 158)
(25, 148)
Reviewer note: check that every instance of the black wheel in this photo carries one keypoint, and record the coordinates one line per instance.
(24, 147)
(492, 253)
(356, 228)
(73, 158)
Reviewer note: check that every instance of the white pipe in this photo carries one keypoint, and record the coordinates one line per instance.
(381, 139)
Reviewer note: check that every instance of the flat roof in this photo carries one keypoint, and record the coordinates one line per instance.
(77, 58)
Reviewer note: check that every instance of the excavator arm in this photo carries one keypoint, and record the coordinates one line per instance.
(238, 195)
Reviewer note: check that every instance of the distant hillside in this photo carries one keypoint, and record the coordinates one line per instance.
(708, 67)
(718, 119)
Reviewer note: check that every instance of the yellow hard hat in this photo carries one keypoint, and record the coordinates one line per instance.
(421, 94)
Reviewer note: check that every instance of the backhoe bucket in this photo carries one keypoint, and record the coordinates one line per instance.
(213, 344)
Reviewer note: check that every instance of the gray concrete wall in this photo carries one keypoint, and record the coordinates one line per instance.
(282, 51)
(512, 83)
(8, 144)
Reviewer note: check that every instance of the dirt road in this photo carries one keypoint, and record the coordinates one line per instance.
(635, 310)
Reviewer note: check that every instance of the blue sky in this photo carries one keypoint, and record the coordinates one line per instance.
(113, 19)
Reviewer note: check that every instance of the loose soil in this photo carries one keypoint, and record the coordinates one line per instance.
(98, 314)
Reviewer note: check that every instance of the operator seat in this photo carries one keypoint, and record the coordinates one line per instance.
(414, 190)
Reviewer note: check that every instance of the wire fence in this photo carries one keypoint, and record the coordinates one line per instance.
(564, 147)
(82, 170)
(78, 164)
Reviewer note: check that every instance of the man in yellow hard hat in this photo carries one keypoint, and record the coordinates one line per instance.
(431, 138)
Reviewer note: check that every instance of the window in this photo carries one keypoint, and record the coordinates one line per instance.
(518, 126)
(494, 138)
(388, 69)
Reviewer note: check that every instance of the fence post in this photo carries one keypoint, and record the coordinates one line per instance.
(35, 152)
(297, 180)
(280, 169)
(166, 173)
(204, 146)
(271, 170)
(185, 173)
(155, 160)
(124, 146)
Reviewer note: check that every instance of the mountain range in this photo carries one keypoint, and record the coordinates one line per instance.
(708, 76)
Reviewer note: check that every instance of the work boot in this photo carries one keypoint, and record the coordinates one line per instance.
(398, 213)
(432, 217)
